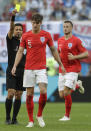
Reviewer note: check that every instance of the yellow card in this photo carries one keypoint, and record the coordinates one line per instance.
(17, 7)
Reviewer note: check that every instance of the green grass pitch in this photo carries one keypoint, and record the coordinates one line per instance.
(80, 118)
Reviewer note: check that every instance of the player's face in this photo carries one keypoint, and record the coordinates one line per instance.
(67, 28)
(18, 31)
(36, 26)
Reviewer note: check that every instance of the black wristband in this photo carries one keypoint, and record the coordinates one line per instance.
(13, 18)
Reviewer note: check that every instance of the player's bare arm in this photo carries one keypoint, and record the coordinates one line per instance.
(18, 58)
(10, 33)
(80, 56)
(57, 58)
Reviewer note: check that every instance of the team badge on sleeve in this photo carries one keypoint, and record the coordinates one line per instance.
(42, 39)
(69, 45)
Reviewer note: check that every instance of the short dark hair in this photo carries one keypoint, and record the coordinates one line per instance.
(37, 17)
(19, 24)
(68, 21)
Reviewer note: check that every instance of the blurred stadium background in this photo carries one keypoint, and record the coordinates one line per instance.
(54, 12)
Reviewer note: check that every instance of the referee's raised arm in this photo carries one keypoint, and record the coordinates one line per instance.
(10, 33)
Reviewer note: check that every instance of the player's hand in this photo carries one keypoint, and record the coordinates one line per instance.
(14, 12)
(71, 56)
(63, 69)
(13, 71)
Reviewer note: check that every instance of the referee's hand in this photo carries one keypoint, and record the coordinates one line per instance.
(14, 12)
(13, 71)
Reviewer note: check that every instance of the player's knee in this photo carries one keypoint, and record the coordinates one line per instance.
(43, 91)
(61, 95)
(18, 95)
(10, 95)
(66, 92)
(43, 88)
(30, 93)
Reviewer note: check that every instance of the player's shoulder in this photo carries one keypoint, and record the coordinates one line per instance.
(60, 38)
(75, 37)
(46, 33)
(26, 34)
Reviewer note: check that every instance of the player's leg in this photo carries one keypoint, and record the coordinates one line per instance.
(30, 105)
(16, 106)
(80, 87)
(8, 105)
(68, 103)
(70, 82)
(29, 82)
(17, 101)
(42, 103)
(61, 83)
(42, 98)
(42, 82)
(10, 87)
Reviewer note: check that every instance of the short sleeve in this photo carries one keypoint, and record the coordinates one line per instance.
(58, 45)
(50, 41)
(22, 41)
(80, 46)
(7, 38)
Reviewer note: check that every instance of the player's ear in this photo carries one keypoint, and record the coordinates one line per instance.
(71, 27)
(41, 23)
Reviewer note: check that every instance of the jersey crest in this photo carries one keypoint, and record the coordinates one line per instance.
(42, 39)
(29, 44)
(69, 45)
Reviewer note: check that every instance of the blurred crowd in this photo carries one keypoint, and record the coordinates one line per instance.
(53, 68)
(51, 9)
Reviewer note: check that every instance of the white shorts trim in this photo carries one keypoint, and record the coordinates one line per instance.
(33, 77)
(68, 80)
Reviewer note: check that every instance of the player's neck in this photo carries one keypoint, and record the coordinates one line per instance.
(68, 36)
(35, 31)
(18, 38)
